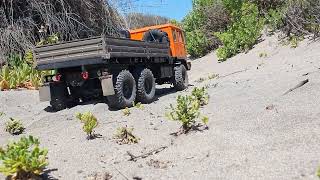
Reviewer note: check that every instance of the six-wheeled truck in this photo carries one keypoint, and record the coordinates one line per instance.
(120, 70)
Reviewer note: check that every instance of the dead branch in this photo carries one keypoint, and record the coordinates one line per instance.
(302, 83)
(145, 155)
(236, 72)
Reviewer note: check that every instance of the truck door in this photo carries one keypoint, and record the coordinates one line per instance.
(179, 43)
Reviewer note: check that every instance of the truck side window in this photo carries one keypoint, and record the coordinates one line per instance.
(174, 32)
(180, 37)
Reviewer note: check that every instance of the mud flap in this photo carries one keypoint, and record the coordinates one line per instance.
(45, 93)
(107, 85)
(52, 91)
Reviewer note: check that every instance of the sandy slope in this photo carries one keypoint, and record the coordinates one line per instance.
(245, 141)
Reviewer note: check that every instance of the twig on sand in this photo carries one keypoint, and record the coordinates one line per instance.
(150, 153)
(302, 83)
(121, 173)
(236, 72)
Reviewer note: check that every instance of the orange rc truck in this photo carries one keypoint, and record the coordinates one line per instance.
(119, 70)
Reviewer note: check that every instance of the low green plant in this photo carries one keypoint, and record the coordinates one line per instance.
(14, 126)
(2, 114)
(201, 95)
(126, 111)
(22, 76)
(29, 57)
(15, 59)
(205, 120)
(124, 135)
(186, 112)
(213, 76)
(294, 41)
(200, 80)
(89, 121)
(52, 39)
(23, 159)
(243, 33)
(318, 173)
(263, 55)
(138, 105)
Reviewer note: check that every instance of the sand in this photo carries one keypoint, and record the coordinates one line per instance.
(255, 132)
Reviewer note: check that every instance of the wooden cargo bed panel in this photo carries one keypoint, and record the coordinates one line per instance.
(96, 51)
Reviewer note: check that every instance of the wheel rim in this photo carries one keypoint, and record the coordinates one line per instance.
(127, 89)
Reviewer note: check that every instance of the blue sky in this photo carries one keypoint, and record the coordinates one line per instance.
(174, 9)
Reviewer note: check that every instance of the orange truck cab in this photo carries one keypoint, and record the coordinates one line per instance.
(175, 35)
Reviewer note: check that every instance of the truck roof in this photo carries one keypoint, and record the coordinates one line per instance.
(153, 27)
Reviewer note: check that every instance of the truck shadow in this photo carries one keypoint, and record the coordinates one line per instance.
(160, 92)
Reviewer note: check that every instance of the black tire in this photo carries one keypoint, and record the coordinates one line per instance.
(125, 91)
(58, 105)
(156, 35)
(125, 34)
(181, 80)
(146, 86)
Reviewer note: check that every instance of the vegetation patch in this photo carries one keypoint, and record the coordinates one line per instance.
(20, 74)
(243, 33)
(23, 159)
(14, 126)
(90, 122)
(124, 135)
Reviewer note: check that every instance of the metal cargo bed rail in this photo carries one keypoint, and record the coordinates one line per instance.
(95, 50)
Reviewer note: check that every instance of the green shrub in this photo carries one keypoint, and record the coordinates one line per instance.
(206, 17)
(14, 126)
(23, 159)
(201, 95)
(186, 112)
(274, 19)
(318, 173)
(197, 43)
(124, 135)
(90, 122)
(242, 34)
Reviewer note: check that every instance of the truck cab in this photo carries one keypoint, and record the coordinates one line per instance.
(175, 35)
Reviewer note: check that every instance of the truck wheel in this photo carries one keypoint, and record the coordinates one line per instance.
(58, 105)
(125, 91)
(146, 86)
(181, 80)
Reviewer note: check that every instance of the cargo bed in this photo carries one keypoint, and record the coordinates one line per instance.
(96, 50)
